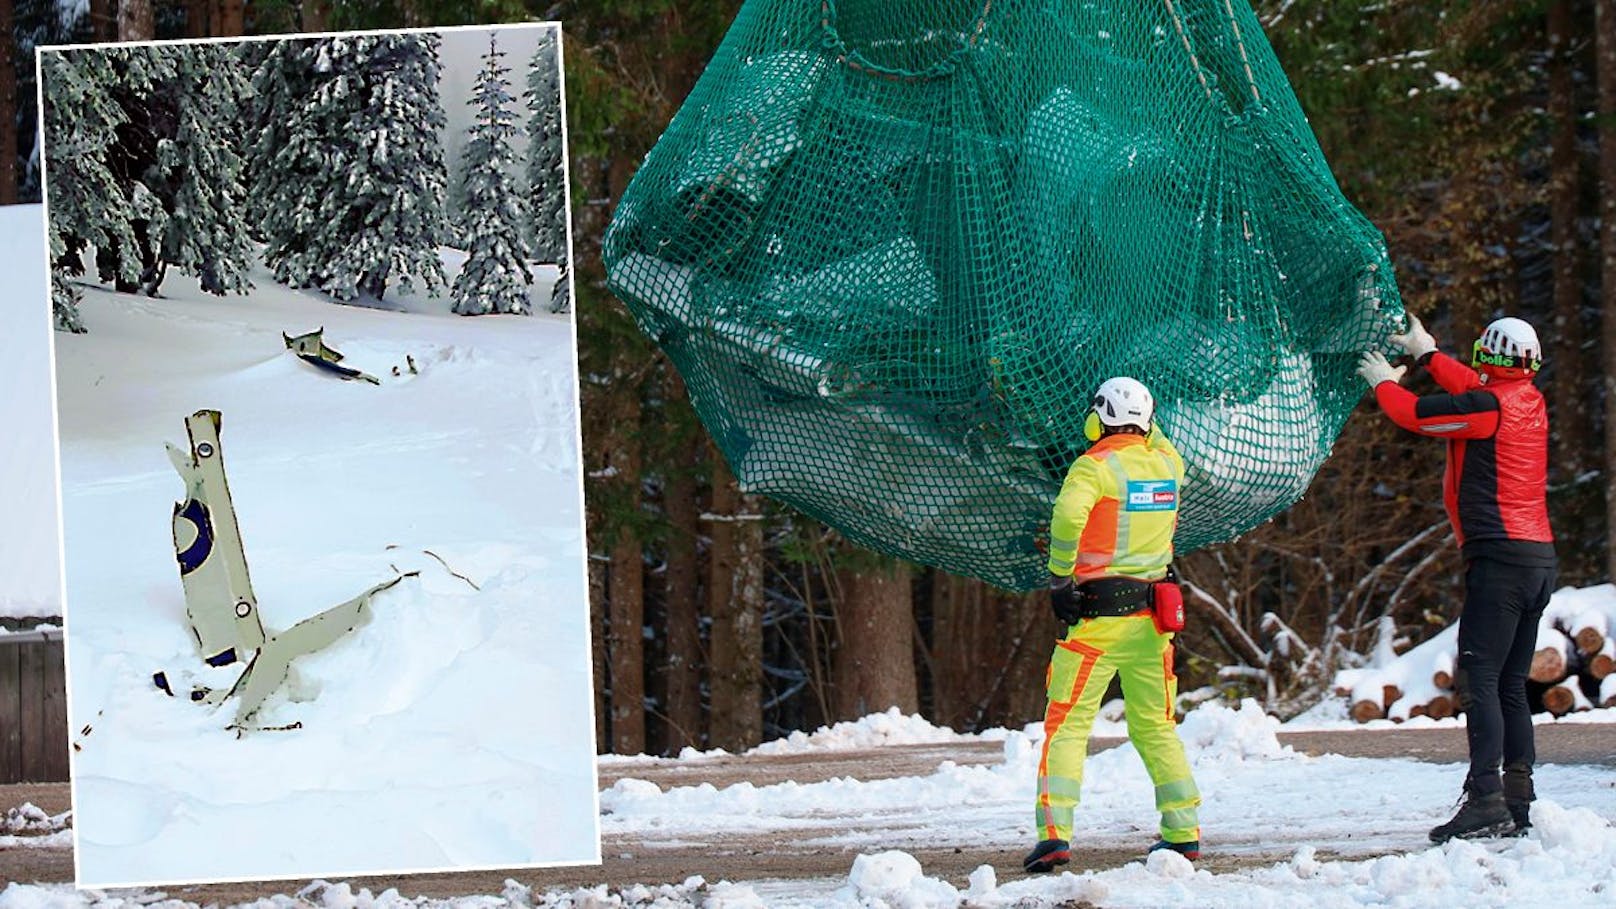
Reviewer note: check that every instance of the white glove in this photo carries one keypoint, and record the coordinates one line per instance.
(1417, 341)
(1375, 370)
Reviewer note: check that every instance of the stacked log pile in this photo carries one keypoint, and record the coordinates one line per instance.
(1574, 666)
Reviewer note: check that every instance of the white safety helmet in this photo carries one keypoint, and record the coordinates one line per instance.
(1508, 348)
(1124, 402)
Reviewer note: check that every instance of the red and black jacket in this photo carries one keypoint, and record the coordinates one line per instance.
(1495, 485)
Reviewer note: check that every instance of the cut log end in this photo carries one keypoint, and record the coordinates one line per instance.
(1548, 665)
(1389, 695)
(1442, 679)
(1364, 711)
(1601, 665)
(1441, 707)
(1589, 640)
(1559, 700)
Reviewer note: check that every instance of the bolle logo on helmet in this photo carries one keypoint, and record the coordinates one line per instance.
(1508, 347)
(1481, 356)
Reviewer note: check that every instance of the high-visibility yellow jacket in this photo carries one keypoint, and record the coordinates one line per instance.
(1117, 510)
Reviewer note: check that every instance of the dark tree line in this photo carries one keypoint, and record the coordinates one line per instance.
(721, 618)
(1485, 181)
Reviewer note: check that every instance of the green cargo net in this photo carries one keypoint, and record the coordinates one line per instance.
(893, 246)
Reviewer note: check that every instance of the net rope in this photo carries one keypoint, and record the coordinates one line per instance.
(893, 246)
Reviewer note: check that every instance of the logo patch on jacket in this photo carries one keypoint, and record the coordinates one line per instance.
(1152, 495)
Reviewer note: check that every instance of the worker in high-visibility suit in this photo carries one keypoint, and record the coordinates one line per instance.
(1110, 538)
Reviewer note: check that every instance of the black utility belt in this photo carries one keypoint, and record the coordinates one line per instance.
(1111, 597)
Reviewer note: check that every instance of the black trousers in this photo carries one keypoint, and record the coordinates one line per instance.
(1497, 634)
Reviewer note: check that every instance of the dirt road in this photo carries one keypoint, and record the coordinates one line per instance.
(629, 860)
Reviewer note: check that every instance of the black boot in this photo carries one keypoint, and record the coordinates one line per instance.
(1479, 816)
(1518, 796)
(1046, 855)
(1190, 850)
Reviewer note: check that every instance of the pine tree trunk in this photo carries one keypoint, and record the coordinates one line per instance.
(8, 105)
(989, 649)
(231, 19)
(316, 15)
(104, 20)
(137, 20)
(875, 656)
(958, 645)
(1605, 44)
(196, 18)
(626, 634)
(682, 611)
(1030, 633)
(735, 603)
(1570, 418)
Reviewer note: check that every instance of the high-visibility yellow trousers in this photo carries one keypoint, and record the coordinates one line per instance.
(1082, 666)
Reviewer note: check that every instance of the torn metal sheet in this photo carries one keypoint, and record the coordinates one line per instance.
(219, 603)
(269, 668)
(311, 349)
(219, 600)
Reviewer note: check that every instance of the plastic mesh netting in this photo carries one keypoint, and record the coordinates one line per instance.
(893, 246)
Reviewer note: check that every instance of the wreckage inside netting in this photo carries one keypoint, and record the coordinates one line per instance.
(893, 246)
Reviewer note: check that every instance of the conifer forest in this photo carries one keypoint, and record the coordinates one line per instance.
(1479, 138)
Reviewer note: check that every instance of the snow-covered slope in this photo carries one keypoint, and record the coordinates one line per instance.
(1351, 832)
(30, 572)
(453, 731)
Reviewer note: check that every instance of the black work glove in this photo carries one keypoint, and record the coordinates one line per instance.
(1064, 599)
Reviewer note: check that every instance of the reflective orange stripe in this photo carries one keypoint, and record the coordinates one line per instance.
(1057, 716)
(1167, 679)
(1097, 547)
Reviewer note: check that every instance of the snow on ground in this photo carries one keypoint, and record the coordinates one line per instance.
(874, 731)
(1258, 794)
(1353, 829)
(30, 573)
(455, 730)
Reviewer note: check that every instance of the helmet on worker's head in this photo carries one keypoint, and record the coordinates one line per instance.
(1508, 349)
(1123, 402)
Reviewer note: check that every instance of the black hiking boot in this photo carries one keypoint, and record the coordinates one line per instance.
(1046, 855)
(1190, 850)
(1479, 816)
(1518, 796)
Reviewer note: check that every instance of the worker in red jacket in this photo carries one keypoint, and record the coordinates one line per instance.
(1495, 492)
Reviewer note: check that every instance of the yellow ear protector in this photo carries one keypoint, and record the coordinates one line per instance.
(1091, 427)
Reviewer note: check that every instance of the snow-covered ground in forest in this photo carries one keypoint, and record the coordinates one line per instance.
(1371, 815)
(455, 730)
(1351, 832)
(30, 570)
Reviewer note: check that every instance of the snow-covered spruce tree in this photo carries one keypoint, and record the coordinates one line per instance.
(495, 278)
(202, 175)
(90, 206)
(546, 162)
(347, 163)
(561, 291)
(454, 229)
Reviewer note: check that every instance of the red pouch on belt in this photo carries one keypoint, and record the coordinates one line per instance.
(1167, 606)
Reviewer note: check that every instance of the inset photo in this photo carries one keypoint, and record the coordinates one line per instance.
(326, 602)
